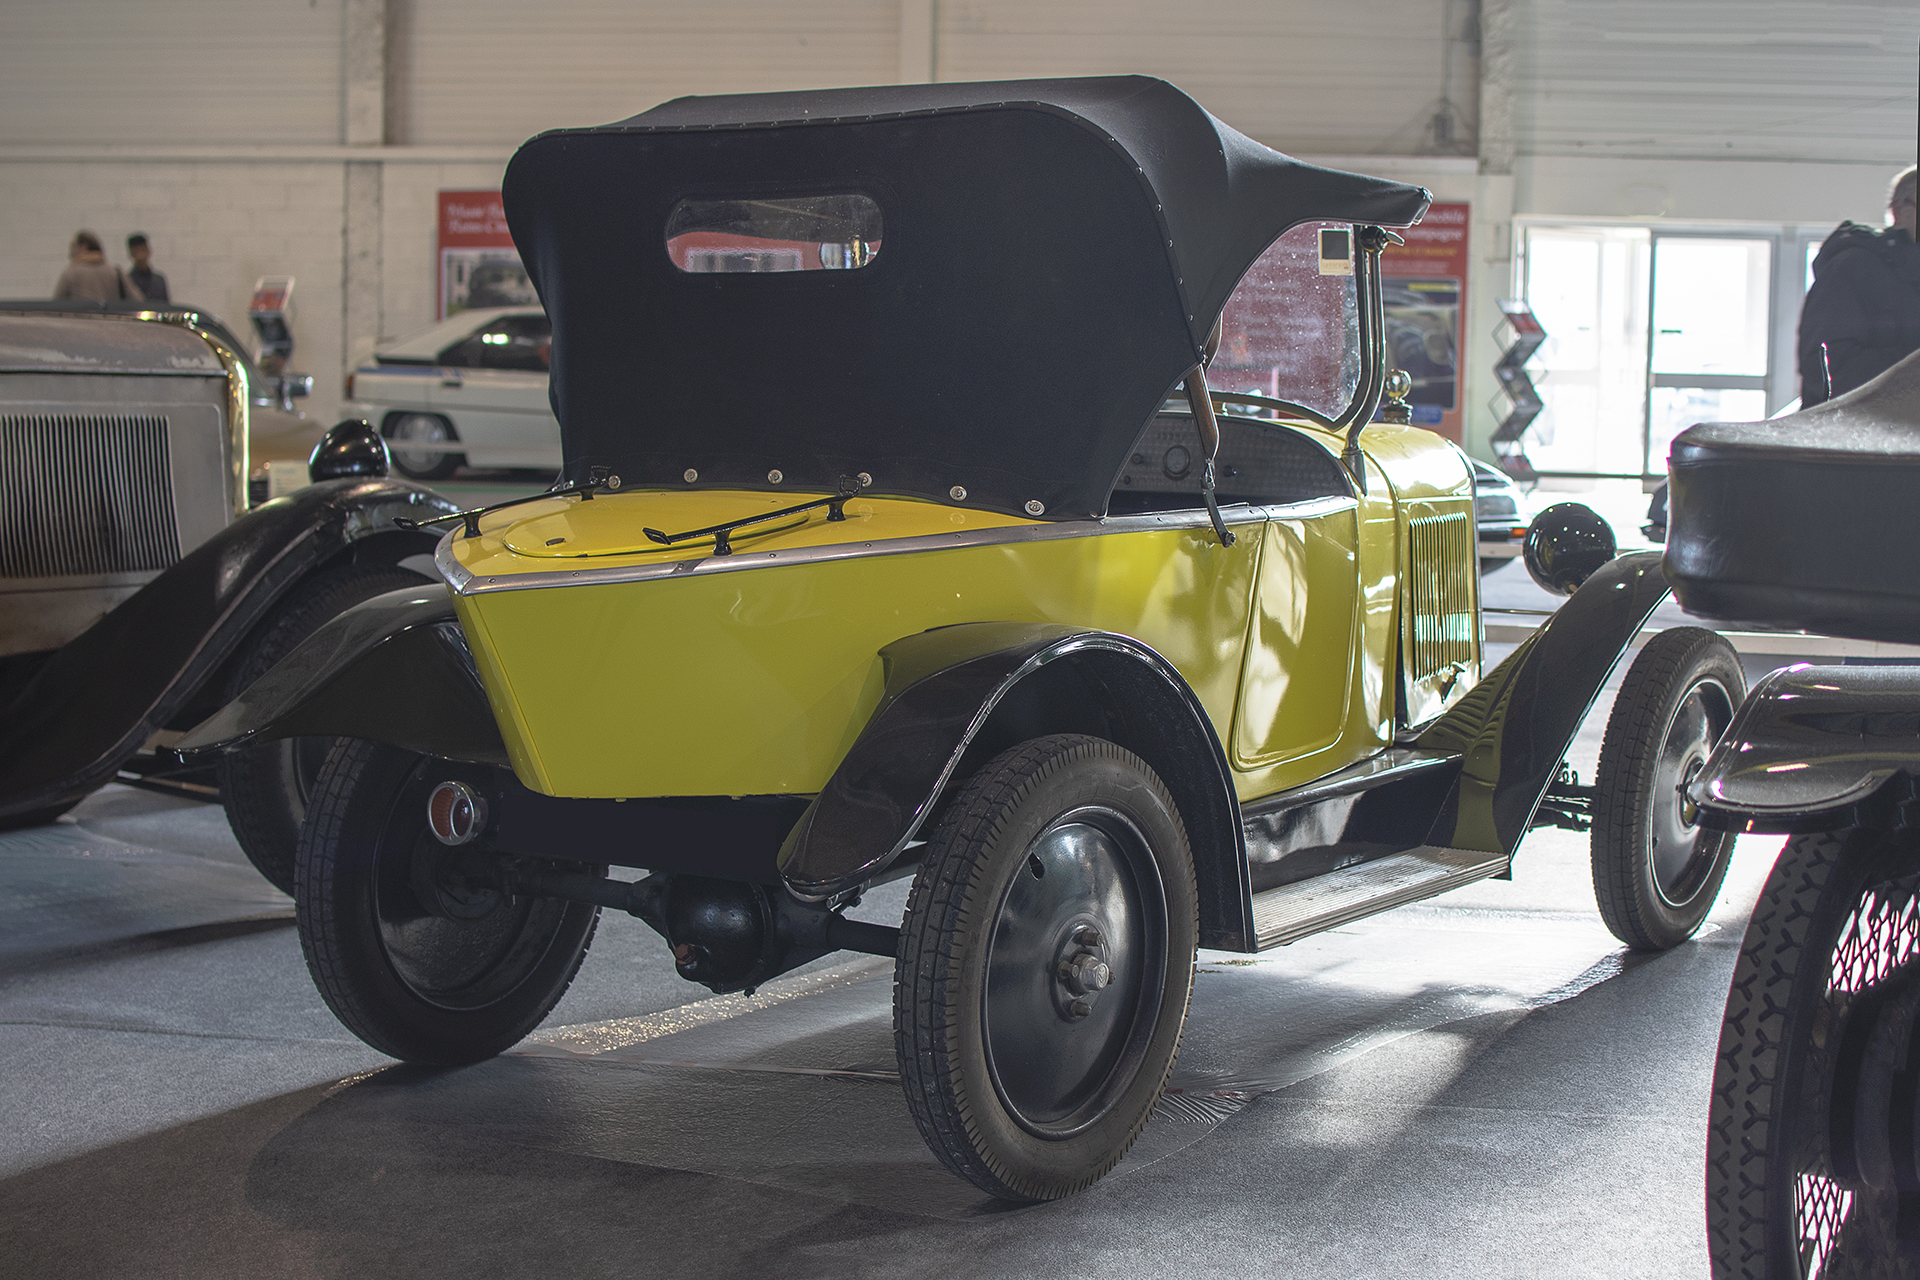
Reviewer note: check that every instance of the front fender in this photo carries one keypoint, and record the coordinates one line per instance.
(1514, 727)
(1816, 749)
(392, 669)
(106, 692)
(956, 695)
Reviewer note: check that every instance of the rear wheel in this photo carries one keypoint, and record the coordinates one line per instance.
(415, 960)
(265, 786)
(1656, 870)
(1045, 967)
(417, 442)
(1813, 1138)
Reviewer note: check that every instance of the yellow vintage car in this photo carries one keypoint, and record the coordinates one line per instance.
(902, 534)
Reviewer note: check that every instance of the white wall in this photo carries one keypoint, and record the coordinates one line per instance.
(220, 128)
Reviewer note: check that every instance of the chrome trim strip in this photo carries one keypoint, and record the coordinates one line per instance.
(465, 583)
(451, 570)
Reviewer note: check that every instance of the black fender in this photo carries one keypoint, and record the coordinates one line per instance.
(1817, 749)
(956, 696)
(1512, 730)
(393, 669)
(101, 696)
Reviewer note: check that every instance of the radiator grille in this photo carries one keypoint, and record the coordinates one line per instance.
(85, 494)
(1440, 569)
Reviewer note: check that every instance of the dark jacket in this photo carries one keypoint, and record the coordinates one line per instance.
(1864, 305)
(153, 285)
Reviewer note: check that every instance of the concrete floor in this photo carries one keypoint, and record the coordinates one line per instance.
(1484, 1084)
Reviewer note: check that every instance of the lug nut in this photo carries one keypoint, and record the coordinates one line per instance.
(1079, 1008)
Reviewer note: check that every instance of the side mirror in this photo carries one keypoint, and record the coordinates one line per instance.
(1565, 544)
(350, 448)
(294, 386)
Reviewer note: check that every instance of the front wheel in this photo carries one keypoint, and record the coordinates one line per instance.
(1045, 966)
(1656, 870)
(1813, 1141)
(417, 962)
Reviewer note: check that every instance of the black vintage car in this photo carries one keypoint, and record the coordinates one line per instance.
(1809, 522)
(139, 587)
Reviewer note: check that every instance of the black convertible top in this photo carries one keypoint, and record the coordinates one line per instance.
(1055, 253)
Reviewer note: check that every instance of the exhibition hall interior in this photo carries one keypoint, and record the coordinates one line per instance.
(957, 638)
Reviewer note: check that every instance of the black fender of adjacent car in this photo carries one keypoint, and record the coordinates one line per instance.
(396, 669)
(1817, 749)
(155, 659)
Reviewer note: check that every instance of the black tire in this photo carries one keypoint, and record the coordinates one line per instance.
(421, 429)
(1836, 931)
(1014, 1087)
(419, 986)
(265, 786)
(1656, 871)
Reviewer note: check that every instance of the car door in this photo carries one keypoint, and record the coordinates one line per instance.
(1302, 658)
(493, 389)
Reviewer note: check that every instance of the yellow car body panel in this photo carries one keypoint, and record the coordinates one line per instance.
(754, 674)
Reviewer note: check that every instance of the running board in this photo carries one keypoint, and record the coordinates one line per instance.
(1293, 911)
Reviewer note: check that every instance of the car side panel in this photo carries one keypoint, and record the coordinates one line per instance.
(759, 682)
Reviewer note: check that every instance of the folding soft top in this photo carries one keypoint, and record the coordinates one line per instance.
(1044, 260)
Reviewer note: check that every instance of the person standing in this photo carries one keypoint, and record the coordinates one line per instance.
(1862, 314)
(152, 285)
(90, 275)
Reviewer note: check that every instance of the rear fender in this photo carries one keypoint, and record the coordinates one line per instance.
(1514, 727)
(956, 696)
(393, 669)
(107, 691)
(1817, 749)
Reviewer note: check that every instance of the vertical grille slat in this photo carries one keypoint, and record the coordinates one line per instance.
(85, 494)
(1440, 568)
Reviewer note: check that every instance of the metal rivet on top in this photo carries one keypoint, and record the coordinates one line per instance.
(775, 476)
(1035, 507)
(689, 475)
(958, 493)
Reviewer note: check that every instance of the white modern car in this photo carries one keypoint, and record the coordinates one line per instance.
(470, 391)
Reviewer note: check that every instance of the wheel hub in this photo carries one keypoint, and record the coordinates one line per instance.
(1675, 840)
(1071, 984)
(1874, 1119)
(1081, 971)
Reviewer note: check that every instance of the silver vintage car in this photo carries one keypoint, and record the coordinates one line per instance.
(138, 585)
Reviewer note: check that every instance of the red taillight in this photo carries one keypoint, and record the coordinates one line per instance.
(349, 386)
(456, 813)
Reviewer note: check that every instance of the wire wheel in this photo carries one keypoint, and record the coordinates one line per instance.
(1813, 1144)
(1045, 966)
(417, 442)
(417, 960)
(1656, 870)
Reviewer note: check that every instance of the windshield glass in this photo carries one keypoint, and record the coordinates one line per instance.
(1291, 330)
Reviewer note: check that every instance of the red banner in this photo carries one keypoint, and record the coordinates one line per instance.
(479, 267)
(1425, 286)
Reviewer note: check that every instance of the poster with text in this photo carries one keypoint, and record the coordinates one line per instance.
(479, 267)
(1424, 286)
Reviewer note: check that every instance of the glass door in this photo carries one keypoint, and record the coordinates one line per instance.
(1710, 353)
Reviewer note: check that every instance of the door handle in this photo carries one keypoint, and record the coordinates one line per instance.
(451, 380)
